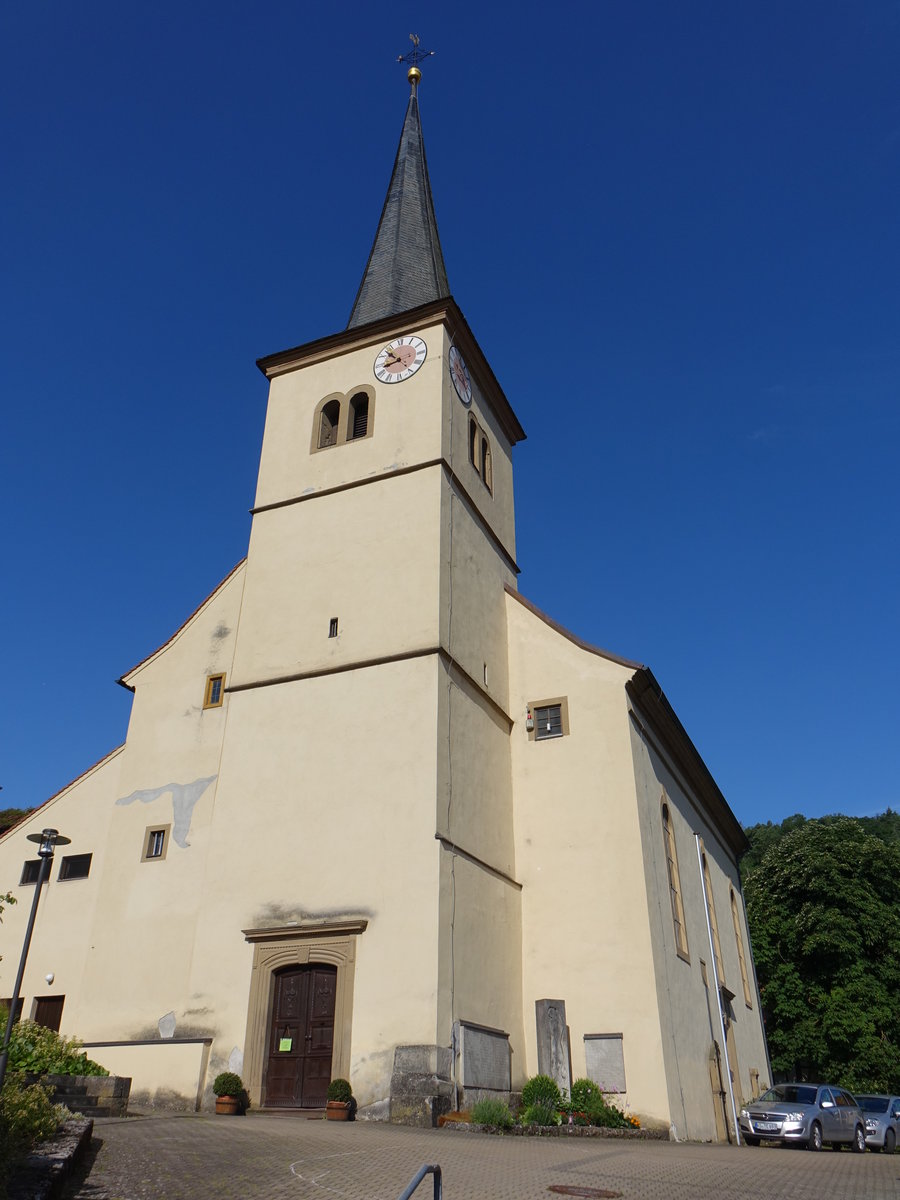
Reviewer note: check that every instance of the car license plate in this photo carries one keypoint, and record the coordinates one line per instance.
(767, 1126)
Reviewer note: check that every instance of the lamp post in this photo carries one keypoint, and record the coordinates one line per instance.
(49, 839)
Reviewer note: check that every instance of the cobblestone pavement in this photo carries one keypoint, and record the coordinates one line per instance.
(277, 1156)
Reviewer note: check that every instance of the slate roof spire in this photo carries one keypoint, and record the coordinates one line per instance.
(406, 266)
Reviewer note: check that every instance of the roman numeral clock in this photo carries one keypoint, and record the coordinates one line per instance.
(400, 359)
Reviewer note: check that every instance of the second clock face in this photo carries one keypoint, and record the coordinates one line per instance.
(399, 359)
(459, 373)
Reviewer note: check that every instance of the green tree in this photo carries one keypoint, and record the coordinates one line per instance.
(7, 898)
(824, 920)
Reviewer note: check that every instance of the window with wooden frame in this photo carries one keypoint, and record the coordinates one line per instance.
(31, 869)
(713, 923)
(480, 453)
(681, 943)
(359, 417)
(156, 843)
(329, 423)
(550, 719)
(214, 695)
(738, 937)
(75, 866)
(343, 417)
(48, 1011)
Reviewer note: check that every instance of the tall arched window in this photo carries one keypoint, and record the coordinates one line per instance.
(486, 472)
(713, 923)
(745, 977)
(473, 441)
(681, 944)
(331, 418)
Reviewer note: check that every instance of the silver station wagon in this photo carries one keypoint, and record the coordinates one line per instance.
(805, 1114)
(882, 1114)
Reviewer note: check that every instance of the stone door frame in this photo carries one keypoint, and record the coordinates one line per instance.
(329, 942)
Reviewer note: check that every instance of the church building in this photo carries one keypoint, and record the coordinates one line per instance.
(377, 816)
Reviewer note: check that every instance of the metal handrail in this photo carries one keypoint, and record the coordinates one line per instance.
(434, 1170)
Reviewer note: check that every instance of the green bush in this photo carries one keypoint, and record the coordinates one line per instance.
(26, 1117)
(42, 1051)
(339, 1089)
(542, 1112)
(541, 1089)
(584, 1095)
(492, 1112)
(227, 1083)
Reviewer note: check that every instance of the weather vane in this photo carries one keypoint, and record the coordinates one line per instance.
(413, 59)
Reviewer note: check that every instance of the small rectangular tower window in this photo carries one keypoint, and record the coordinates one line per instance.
(75, 866)
(156, 842)
(31, 868)
(549, 719)
(333, 627)
(215, 691)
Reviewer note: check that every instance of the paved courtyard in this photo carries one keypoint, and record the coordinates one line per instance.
(277, 1156)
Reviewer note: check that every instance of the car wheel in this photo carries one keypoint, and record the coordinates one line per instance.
(890, 1141)
(750, 1141)
(815, 1137)
(859, 1140)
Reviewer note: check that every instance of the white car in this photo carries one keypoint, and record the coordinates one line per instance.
(806, 1114)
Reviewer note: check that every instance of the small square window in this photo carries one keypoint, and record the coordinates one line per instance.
(156, 843)
(75, 866)
(548, 722)
(549, 719)
(31, 868)
(333, 627)
(215, 691)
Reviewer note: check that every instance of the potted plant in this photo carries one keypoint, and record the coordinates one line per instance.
(230, 1095)
(339, 1100)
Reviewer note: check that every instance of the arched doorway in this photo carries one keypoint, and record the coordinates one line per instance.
(301, 1036)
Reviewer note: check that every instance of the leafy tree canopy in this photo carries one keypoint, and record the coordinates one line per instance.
(824, 916)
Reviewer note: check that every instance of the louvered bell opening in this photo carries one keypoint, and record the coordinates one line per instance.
(548, 722)
(360, 420)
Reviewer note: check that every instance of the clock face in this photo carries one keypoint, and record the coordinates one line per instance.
(459, 373)
(400, 359)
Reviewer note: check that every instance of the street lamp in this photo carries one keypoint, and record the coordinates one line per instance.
(49, 839)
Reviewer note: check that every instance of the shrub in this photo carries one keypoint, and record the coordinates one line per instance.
(492, 1112)
(42, 1051)
(584, 1094)
(339, 1089)
(542, 1112)
(541, 1089)
(26, 1118)
(227, 1083)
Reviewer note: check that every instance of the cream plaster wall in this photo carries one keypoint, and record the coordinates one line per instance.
(368, 556)
(578, 855)
(341, 826)
(688, 1008)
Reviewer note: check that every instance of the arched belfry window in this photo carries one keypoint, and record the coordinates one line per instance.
(359, 416)
(329, 423)
(343, 417)
(486, 470)
(480, 453)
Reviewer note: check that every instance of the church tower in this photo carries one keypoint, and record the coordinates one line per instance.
(372, 642)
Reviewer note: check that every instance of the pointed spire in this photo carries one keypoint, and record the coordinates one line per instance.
(406, 266)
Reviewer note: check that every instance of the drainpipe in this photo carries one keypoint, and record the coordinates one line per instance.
(712, 956)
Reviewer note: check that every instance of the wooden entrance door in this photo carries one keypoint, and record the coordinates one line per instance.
(301, 1036)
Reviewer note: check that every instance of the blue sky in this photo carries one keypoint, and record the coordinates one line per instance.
(673, 229)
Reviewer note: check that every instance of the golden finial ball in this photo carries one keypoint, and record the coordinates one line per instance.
(414, 75)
